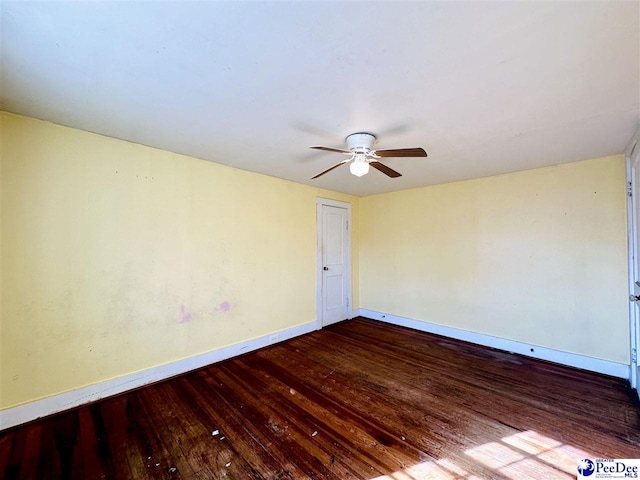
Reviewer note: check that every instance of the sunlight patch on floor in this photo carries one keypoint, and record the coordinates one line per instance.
(494, 455)
(452, 467)
(531, 442)
(524, 455)
(429, 470)
(565, 458)
(530, 468)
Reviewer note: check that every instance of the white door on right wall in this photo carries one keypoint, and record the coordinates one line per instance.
(633, 177)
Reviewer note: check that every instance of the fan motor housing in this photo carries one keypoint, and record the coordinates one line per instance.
(361, 141)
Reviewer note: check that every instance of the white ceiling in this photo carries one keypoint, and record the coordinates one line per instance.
(484, 87)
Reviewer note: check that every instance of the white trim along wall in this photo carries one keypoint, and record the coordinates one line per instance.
(631, 164)
(64, 401)
(605, 367)
(74, 398)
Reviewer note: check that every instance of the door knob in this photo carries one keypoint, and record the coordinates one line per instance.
(325, 268)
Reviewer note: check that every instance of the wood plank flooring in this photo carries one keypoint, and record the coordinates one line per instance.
(360, 400)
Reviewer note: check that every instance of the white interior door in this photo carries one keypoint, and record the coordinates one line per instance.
(633, 177)
(334, 261)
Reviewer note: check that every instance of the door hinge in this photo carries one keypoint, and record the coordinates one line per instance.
(634, 356)
(629, 189)
(347, 224)
(347, 301)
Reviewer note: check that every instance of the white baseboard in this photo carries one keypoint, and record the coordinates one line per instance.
(13, 416)
(606, 367)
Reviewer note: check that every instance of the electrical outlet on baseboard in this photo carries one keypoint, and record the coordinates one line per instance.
(274, 338)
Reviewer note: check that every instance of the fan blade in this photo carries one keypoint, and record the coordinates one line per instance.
(329, 149)
(329, 169)
(402, 152)
(384, 169)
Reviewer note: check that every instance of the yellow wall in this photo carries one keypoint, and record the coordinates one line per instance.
(536, 256)
(118, 257)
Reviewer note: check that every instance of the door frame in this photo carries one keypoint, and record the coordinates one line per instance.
(320, 202)
(632, 229)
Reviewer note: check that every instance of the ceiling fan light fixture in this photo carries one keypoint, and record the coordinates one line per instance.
(359, 167)
(361, 154)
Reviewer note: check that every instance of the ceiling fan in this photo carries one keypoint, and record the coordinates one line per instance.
(361, 155)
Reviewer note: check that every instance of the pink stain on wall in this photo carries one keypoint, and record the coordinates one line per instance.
(223, 307)
(184, 315)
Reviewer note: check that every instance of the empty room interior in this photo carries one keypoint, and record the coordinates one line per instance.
(444, 286)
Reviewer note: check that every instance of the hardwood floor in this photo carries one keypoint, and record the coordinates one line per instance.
(361, 399)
